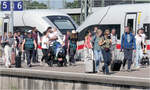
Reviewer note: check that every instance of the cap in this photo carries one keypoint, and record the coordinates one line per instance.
(73, 31)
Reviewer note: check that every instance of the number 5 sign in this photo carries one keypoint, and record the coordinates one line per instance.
(5, 5)
(18, 5)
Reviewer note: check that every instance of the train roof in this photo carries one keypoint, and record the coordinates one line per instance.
(113, 13)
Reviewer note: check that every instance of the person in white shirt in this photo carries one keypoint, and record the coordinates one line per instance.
(143, 39)
(139, 48)
(45, 46)
(114, 42)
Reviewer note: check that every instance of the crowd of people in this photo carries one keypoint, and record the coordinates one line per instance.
(99, 44)
(103, 46)
(29, 42)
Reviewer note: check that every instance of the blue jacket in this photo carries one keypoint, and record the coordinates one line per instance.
(128, 45)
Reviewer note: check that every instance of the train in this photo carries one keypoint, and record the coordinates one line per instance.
(39, 18)
(135, 16)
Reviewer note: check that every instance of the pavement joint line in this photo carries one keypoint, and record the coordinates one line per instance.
(77, 73)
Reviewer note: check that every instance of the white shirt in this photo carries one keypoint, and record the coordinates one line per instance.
(114, 39)
(138, 40)
(45, 40)
(143, 38)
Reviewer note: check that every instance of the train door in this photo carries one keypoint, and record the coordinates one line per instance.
(131, 21)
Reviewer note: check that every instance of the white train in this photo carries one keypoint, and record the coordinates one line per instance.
(118, 16)
(41, 19)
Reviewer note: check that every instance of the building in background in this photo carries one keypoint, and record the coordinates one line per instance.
(101, 3)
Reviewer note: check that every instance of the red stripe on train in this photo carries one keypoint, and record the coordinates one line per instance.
(118, 46)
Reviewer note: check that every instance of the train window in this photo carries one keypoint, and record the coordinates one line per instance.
(147, 30)
(130, 24)
(63, 23)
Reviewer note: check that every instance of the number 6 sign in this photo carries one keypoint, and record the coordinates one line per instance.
(18, 5)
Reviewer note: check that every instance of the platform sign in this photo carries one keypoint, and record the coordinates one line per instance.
(5, 5)
(18, 5)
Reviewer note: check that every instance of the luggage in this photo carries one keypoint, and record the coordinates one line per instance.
(13, 55)
(116, 65)
(18, 60)
(145, 61)
(90, 66)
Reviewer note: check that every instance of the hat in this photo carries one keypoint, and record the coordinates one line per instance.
(29, 32)
(73, 31)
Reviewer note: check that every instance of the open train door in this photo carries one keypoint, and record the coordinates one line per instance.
(131, 21)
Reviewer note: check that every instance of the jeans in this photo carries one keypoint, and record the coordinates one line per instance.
(139, 54)
(97, 54)
(72, 53)
(45, 55)
(35, 56)
(107, 60)
(29, 55)
(128, 57)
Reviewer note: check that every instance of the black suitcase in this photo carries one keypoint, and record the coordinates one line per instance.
(116, 65)
(18, 60)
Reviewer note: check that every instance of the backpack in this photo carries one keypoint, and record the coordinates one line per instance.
(29, 44)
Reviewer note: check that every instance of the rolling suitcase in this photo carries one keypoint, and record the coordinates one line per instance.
(90, 66)
(90, 63)
(116, 65)
(18, 60)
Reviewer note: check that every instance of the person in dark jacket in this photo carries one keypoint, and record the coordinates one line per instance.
(128, 45)
(29, 44)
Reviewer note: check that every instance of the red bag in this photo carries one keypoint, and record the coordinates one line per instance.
(13, 55)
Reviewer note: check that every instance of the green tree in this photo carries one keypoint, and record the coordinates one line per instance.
(75, 4)
(35, 5)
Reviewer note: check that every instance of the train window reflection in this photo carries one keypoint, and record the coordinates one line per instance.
(62, 22)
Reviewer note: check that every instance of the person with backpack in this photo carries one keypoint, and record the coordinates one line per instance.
(29, 44)
(106, 51)
(72, 47)
(97, 49)
(128, 45)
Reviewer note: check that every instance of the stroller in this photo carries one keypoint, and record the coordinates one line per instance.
(145, 59)
(57, 55)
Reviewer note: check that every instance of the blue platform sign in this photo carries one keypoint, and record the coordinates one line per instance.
(5, 5)
(18, 5)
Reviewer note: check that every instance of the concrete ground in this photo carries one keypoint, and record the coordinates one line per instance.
(143, 72)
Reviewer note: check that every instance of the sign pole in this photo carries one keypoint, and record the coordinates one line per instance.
(11, 17)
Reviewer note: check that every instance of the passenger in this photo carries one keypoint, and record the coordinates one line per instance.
(106, 46)
(72, 47)
(88, 45)
(29, 44)
(8, 49)
(23, 53)
(94, 31)
(45, 46)
(66, 40)
(139, 48)
(144, 39)
(35, 37)
(128, 45)
(113, 44)
(97, 48)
